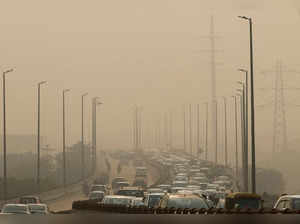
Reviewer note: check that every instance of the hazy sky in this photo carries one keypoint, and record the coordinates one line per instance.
(139, 52)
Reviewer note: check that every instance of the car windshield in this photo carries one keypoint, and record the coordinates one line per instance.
(136, 193)
(28, 200)
(117, 201)
(251, 203)
(296, 204)
(15, 209)
(186, 203)
(37, 207)
(154, 200)
(96, 195)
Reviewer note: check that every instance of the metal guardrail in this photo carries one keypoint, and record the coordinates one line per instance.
(104, 208)
(55, 194)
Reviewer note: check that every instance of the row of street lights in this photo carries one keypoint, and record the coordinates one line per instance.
(39, 85)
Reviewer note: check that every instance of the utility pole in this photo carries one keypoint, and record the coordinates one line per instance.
(171, 131)
(140, 129)
(253, 168)
(206, 133)
(213, 84)
(198, 132)
(191, 138)
(216, 149)
(4, 135)
(38, 135)
(64, 140)
(246, 112)
(245, 171)
(236, 140)
(184, 129)
(95, 103)
(82, 138)
(225, 127)
(244, 152)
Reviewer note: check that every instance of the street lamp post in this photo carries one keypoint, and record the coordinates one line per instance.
(246, 112)
(253, 169)
(4, 135)
(38, 136)
(64, 140)
(225, 127)
(244, 148)
(94, 131)
(216, 149)
(206, 133)
(82, 137)
(236, 140)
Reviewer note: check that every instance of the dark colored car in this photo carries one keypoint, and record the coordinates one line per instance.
(30, 200)
(130, 191)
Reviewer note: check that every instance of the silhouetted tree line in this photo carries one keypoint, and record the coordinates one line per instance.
(22, 169)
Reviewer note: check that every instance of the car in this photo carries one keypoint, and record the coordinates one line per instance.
(99, 187)
(186, 191)
(29, 200)
(22, 209)
(180, 183)
(137, 202)
(119, 185)
(164, 187)
(96, 195)
(242, 200)
(140, 182)
(151, 200)
(38, 209)
(117, 180)
(117, 200)
(131, 191)
(154, 190)
(288, 202)
(183, 201)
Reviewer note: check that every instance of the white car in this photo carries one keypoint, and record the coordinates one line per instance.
(96, 195)
(118, 200)
(15, 209)
(38, 209)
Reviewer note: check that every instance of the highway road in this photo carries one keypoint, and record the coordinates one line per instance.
(128, 172)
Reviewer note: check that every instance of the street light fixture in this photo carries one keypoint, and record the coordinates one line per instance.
(38, 135)
(64, 140)
(4, 134)
(253, 168)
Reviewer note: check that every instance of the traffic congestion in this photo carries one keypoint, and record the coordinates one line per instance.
(184, 182)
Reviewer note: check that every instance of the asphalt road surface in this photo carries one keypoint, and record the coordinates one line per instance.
(128, 172)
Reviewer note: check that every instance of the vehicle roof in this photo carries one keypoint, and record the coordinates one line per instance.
(290, 196)
(119, 196)
(37, 204)
(30, 196)
(183, 196)
(243, 195)
(119, 178)
(130, 188)
(102, 185)
(24, 205)
(99, 192)
(157, 193)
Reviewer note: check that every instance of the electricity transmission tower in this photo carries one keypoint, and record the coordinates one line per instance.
(213, 64)
(280, 142)
(279, 122)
